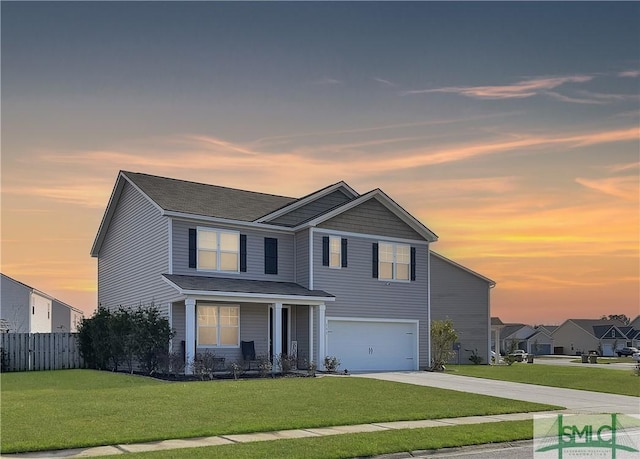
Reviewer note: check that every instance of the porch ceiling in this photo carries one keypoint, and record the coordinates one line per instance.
(237, 288)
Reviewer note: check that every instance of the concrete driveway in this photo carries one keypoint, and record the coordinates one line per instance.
(577, 401)
(566, 361)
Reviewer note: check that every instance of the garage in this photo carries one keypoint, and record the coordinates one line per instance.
(373, 344)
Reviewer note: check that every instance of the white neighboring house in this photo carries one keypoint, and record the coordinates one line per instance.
(24, 309)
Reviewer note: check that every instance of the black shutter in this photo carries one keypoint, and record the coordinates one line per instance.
(413, 263)
(270, 255)
(344, 253)
(375, 260)
(243, 253)
(325, 250)
(193, 235)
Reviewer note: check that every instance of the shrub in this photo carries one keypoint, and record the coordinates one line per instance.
(311, 367)
(475, 358)
(205, 364)
(331, 363)
(236, 370)
(108, 339)
(286, 363)
(264, 366)
(443, 336)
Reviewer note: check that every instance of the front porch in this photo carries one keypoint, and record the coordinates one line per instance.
(217, 314)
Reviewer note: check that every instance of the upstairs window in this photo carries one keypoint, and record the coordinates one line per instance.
(218, 250)
(394, 261)
(334, 252)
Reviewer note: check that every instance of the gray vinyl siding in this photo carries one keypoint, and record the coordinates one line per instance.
(15, 305)
(133, 256)
(60, 317)
(371, 217)
(302, 332)
(360, 295)
(255, 253)
(462, 297)
(302, 258)
(311, 210)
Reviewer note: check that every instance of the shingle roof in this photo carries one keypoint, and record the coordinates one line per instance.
(509, 329)
(496, 321)
(589, 324)
(207, 200)
(223, 284)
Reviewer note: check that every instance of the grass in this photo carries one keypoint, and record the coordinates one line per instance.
(583, 378)
(606, 360)
(362, 444)
(90, 408)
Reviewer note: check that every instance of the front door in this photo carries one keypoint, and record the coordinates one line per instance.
(285, 330)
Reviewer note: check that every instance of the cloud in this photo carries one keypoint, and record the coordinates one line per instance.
(326, 81)
(520, 90)
(384, 82)
(624, 167)
(622, 187)
(573, 100)
(629, 74)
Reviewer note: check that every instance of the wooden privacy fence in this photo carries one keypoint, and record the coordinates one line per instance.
(39, 351)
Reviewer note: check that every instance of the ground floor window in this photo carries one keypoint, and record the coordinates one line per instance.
(218, 325)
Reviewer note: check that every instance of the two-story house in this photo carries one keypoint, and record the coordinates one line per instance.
(332, 273)
(24, 309)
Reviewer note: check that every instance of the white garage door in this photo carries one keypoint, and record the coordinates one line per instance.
(373, 345)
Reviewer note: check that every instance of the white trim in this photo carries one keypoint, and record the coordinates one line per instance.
(311, 356)
(189, 334)
(339, 239)
(415, 322)
(170, 244)
(464, 268)
(429, 306)
(394, 263)
(311, 231)
(373, 319)
(218, 250)
(304, 201)
(322, 332)
(383, 199)
(226, 221)
(371, 236)
(251, 297)
(218, 327)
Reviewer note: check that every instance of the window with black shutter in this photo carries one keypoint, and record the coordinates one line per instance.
(270, 255)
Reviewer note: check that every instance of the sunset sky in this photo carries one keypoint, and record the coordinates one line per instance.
(511, 130)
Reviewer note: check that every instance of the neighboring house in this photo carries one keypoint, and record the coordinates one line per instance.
(540, 342)
(332, 273)
(27, 310)
(462, 295)
(514, 336)
(496, 327)
(635, 323)
(578, 336)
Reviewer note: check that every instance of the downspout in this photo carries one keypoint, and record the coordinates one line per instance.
(428, 304)
(489, 324)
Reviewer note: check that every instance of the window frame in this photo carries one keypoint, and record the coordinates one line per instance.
(394, 261)
(218, 250)
(338, 241)
(218, 326)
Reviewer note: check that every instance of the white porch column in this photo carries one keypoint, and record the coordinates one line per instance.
(322, 333)
(276, 339)
(190, 334)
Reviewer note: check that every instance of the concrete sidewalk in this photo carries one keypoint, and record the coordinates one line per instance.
(268, 436)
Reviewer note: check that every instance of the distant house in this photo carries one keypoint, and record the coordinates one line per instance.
(333, 273)
(24, 309)
(540, 342)
(578, 336)
(514, 336)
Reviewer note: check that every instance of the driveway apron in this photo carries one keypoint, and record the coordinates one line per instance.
(578, 401)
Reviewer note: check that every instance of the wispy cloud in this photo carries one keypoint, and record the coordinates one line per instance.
(622, 187)
(520, 90)
(629, 74)
(384, 82)
(326, 81)
(624, 167)
(572, 100)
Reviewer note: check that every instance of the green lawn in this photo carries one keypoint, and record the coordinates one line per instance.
(606, 360)
(362, 444)
(91, 408)
(583, 378)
